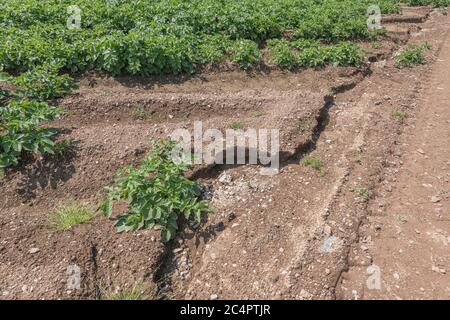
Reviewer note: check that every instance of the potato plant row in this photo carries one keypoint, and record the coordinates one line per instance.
(170, 36)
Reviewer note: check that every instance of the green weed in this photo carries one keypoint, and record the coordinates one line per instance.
(376, 45)
(67, 216)
(63, 148)
(237, 126)
(139, 113)
(363, 193)
(399, 114)
(314, 163)
(136, 293)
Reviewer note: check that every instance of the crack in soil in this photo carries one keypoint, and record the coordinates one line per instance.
(97, 290)
(286, 158)
(165, 272)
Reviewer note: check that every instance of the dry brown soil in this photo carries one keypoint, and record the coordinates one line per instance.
(299, 234)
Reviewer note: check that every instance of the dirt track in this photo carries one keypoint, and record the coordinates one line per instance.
(411, 249)
(293, 235)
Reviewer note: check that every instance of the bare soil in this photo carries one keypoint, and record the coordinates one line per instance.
(298, 234)
(407, 230)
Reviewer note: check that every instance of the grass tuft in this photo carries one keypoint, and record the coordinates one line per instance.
(363, 193)
(137, 293)
(237, 126)
(67, 216)
(314, 163)
(400, 114)
(63, 148)
(139, 113)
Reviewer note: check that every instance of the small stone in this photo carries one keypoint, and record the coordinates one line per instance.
(435, 269)
(420, 151)
(328, 244)
(213, 297)
(327, 230)
(225, 178)
(435, 199)
(305, 294)
(34, 250)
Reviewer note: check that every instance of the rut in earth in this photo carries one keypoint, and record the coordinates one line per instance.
(167, 264)
(323, 119)
(214, 170)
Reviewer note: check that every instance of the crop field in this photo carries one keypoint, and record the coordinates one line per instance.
(166, 37)
(153, 37)
(90, 91)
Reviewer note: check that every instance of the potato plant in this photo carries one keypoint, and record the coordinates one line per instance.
(19, 130)
(43, 83)
(293, 54)
(412, 55)
(157, 193)
(23, 111)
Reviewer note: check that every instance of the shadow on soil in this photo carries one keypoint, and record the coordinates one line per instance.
(46, 172)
